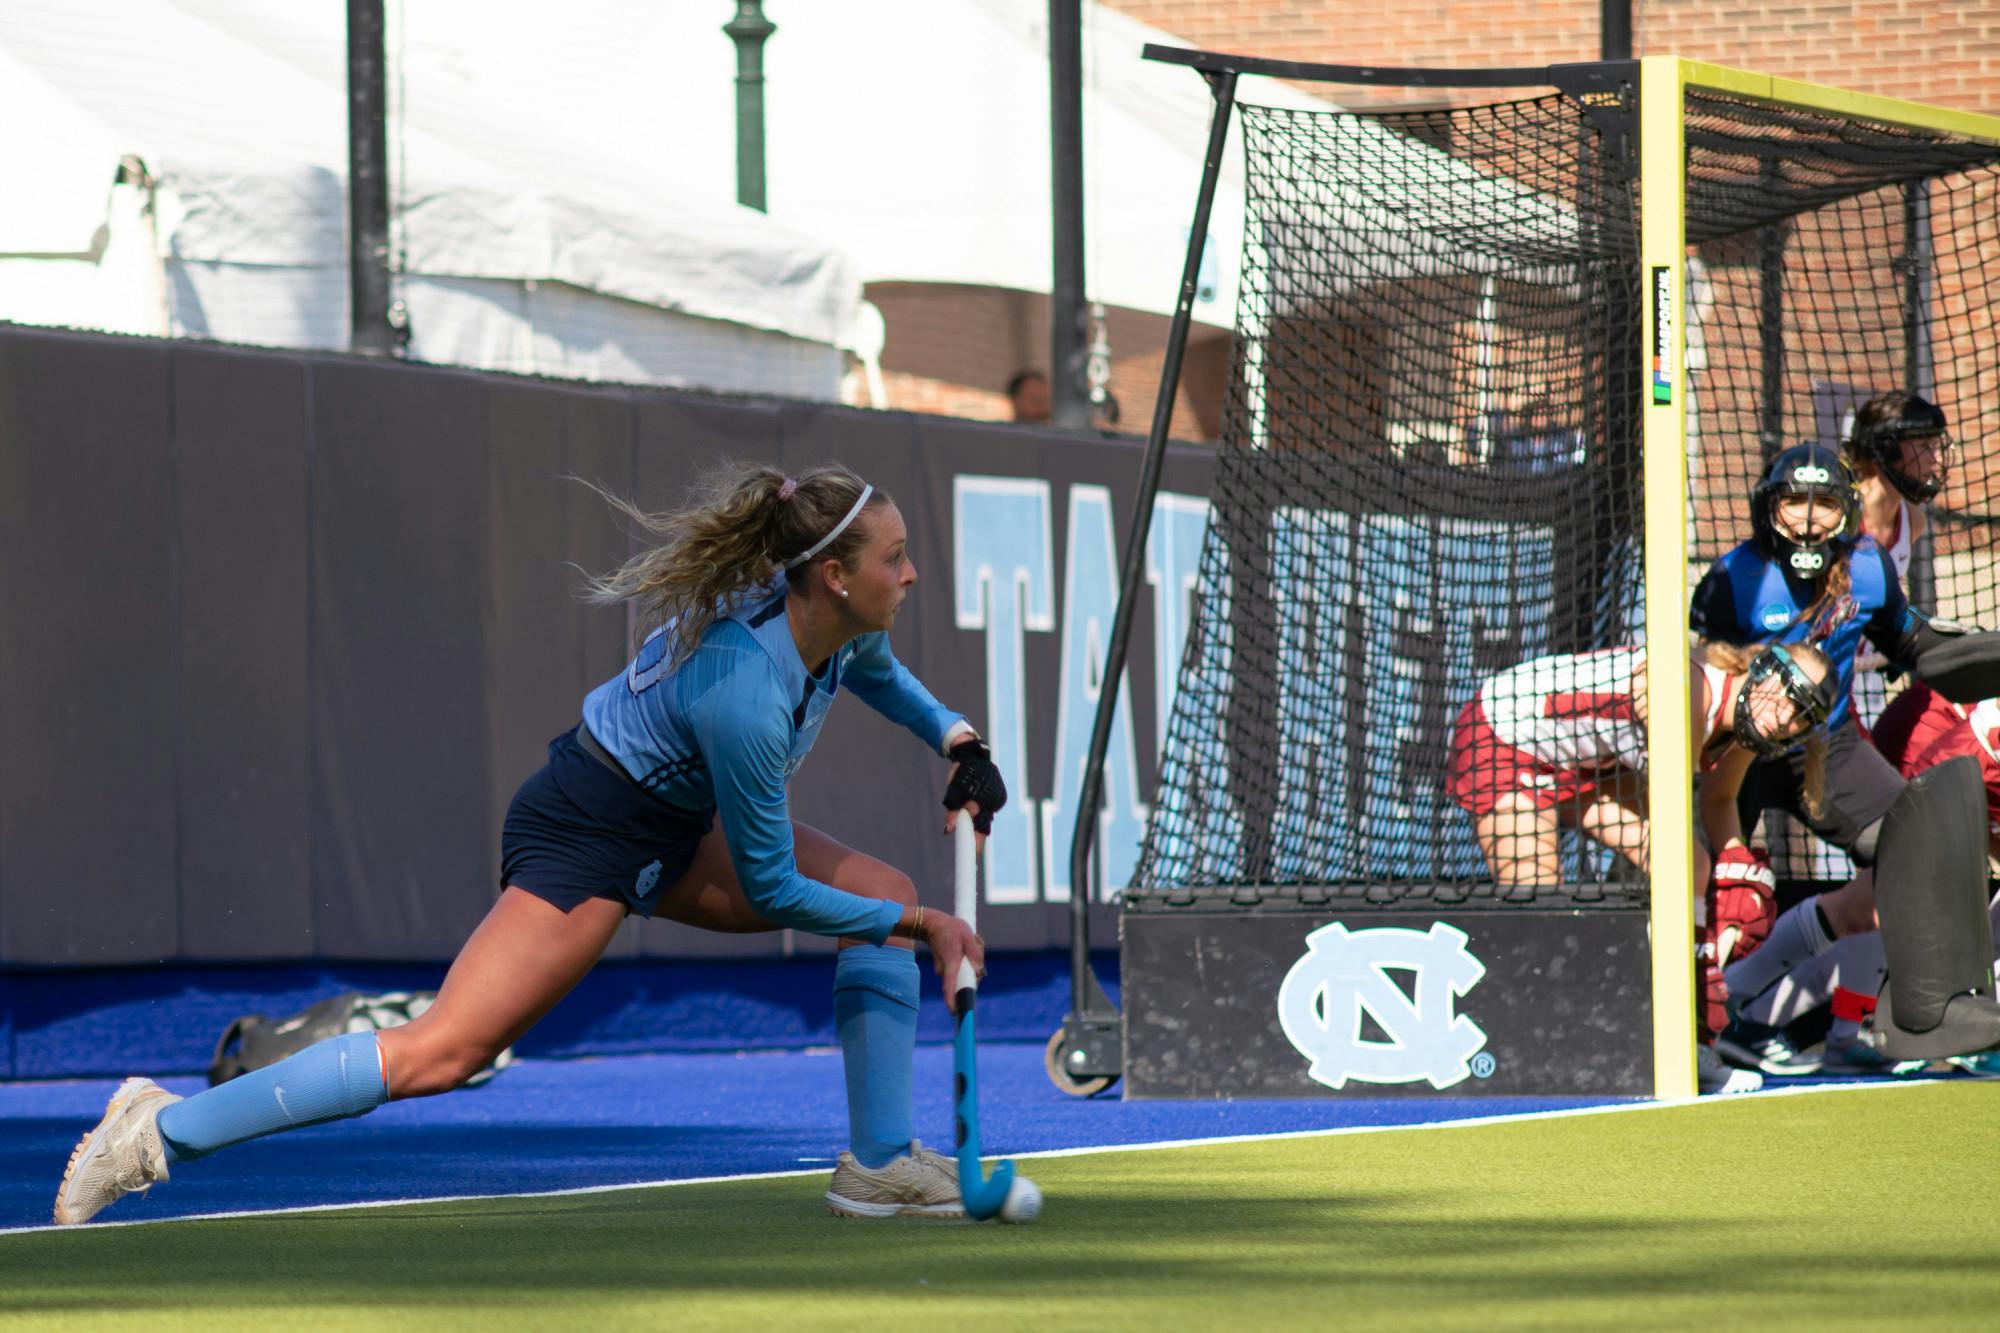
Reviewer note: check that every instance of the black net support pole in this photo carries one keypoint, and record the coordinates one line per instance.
(1771, 331)
(1069, 397)
(1084, 990)
(368, 180)
(1917, 262)
(1615, 29)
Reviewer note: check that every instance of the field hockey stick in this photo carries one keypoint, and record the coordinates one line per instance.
(983, 1197)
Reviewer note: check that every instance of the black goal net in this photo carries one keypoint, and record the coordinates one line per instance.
(1419, 613)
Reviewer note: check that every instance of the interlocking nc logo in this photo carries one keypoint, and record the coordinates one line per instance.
(1344, 972)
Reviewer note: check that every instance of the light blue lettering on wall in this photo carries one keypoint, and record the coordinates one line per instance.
(1400, 623)
(1090, 601)
(1004, 579)
(1173, 566)
(1197, 833)
(1312, 595)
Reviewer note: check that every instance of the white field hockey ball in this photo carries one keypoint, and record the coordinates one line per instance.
(1024, 1201)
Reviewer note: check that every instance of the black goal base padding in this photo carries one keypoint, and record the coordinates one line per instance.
(1221, 1005)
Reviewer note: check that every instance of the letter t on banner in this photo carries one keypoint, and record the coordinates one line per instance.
(1003, 574)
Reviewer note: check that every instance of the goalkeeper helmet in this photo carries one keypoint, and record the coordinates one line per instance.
(1882, 426)
(1809, 472)
(1812, 701)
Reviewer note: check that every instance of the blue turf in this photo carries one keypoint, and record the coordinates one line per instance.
(559, 1124)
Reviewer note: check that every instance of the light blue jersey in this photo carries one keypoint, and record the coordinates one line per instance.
(727, 728)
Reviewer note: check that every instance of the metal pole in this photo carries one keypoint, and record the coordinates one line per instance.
(1091, 794)
(1615, 30)
(750, 30)
(1069, 394)
(1917, 262)
(368, 182)
(1771, 335)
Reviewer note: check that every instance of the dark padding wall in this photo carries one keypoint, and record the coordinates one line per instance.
(280, 634)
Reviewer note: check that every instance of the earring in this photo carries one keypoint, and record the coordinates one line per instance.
(843, 592)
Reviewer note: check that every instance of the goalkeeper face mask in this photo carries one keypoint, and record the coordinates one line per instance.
(1913, 449)
(1779, 704)
(1805, 509)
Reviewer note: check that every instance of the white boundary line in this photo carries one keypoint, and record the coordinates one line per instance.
(1517, 1117)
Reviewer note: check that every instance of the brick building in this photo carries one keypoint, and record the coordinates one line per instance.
(1934, 51)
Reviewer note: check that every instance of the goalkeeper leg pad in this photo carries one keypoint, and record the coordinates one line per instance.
(1930, 888)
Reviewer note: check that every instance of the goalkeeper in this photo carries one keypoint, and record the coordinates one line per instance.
(1810, 575)
(773, 595)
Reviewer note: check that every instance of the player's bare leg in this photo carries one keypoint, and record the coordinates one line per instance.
(523, 958)
(1615, 814)
(1521, 842)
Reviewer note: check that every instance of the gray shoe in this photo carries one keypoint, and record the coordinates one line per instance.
(123, 1155)
(1714, 1077)
(1857, 1057)
(922, 1184)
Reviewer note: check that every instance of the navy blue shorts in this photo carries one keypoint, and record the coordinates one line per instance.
(577, 829)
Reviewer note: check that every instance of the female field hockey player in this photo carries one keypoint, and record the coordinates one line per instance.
(1900, 452)
(1560, 742)
(668, 799)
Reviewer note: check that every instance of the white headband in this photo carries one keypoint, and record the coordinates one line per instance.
(838, 528)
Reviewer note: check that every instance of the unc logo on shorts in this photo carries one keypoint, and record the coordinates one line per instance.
(647, 879)
(1345, 972)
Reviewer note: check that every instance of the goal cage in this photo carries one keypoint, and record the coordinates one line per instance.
(1504, 376)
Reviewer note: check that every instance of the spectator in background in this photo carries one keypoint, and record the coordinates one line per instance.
(1028, 391)
(1104, 414)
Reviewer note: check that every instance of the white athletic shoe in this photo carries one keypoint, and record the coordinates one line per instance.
(923, 1184)
(1713, 1076)
(123, 1155)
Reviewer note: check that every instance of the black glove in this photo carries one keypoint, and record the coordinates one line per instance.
(976, 780)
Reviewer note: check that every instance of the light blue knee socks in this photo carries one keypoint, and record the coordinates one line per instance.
(875, 1011)
(333, 1080)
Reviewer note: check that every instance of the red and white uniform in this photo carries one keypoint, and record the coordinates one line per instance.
(1898, 546)
(1549, 729)
(1921, 729)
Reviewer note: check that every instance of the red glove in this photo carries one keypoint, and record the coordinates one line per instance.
(1713, 1002)
(1742, 901)
(1742, 904)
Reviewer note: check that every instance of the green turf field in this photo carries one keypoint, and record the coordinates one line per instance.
(1829, 1209)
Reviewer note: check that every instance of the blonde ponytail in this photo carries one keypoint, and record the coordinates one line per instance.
(738, 532)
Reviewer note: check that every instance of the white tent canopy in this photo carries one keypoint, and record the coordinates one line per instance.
(514, 252)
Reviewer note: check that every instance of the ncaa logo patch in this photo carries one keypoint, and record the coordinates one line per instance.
(1345, 973)
(1775, 616)
(647, 879)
